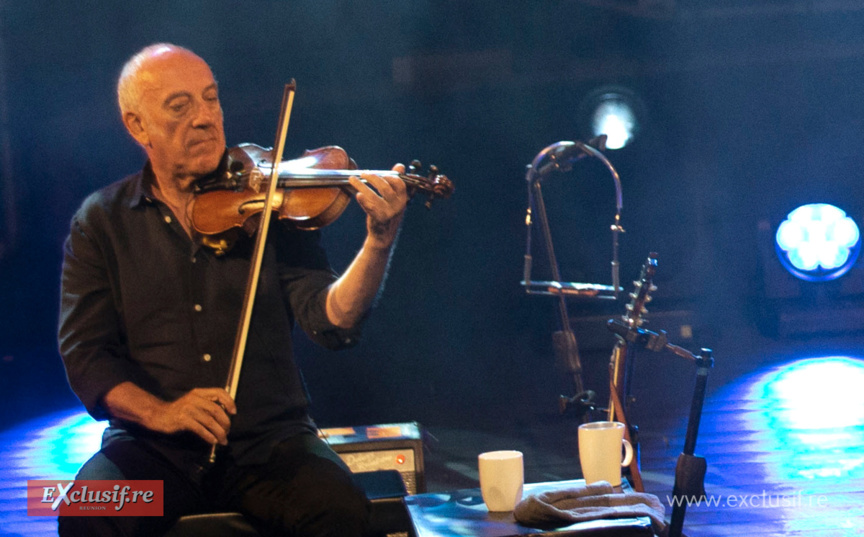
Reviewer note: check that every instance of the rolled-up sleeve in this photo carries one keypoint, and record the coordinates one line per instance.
(90, 336)
(306, 277)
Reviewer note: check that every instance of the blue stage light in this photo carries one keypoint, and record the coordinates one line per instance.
(615, 111)
(616, 119)
(818, 242)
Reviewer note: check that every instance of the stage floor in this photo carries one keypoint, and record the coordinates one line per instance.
(783, 444)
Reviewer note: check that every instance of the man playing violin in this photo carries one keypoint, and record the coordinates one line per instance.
(148, 318)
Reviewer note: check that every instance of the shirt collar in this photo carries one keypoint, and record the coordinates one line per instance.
(143, 191)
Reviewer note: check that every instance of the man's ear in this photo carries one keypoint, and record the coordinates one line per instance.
(135, 126)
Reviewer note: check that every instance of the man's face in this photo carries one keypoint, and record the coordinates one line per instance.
(180, 116)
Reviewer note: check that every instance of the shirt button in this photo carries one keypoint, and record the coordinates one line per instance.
(207, 357)
(194, 259)
(198, 307)
(167, 219)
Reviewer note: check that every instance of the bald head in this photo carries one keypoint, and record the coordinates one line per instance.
(139, 69)
(169, 102)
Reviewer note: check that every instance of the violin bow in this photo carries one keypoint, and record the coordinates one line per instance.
(258, 252)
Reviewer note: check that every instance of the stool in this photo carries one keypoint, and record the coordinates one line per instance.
(213, 525)
(385, 490)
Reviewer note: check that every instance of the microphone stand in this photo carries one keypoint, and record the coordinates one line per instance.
(560, 157)
(690, 469)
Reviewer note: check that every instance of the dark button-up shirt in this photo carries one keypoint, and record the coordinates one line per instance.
(142, 302)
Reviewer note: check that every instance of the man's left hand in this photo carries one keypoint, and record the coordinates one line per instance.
(384, 200)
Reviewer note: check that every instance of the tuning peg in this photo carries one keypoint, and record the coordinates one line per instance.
(653, 288)
(633, 296)
(414, 166)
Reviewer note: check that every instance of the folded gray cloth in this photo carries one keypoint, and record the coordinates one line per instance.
(578, 504)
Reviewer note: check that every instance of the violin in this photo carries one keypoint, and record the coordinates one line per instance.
(312, 191)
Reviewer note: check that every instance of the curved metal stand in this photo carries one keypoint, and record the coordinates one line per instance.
(560, 157)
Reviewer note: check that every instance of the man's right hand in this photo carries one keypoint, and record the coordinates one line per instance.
(202, 411)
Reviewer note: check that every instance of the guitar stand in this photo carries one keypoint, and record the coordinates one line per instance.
(690, 469)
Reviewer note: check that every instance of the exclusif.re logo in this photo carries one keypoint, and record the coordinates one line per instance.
(95, 498)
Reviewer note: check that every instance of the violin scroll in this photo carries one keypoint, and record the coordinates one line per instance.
(434, 184)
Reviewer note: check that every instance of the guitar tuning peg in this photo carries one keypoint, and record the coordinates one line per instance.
(433, 170)
(649, 298)
(629, 307)
(632, 296)
(637, 285)
(653, 288)
(414, 166)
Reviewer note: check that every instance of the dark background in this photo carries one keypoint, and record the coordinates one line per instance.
(750, 109)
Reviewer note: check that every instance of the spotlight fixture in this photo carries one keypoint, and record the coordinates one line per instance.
(818, 242)
(614, 111)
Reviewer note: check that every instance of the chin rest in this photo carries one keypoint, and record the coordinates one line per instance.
(385, 489)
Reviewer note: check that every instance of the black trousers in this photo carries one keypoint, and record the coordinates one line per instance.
(304, 489)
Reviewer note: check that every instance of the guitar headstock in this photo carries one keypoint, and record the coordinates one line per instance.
(433, 184)
(641, 294)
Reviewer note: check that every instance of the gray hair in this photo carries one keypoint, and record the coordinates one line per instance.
(128, 89)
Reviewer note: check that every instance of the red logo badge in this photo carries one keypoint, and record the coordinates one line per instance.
(94, 498)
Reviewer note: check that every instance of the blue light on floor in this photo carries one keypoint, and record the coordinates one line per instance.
(50, 447)
(813, 414)
(54, 446)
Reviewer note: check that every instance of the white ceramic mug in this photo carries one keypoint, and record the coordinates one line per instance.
(600, 451)
(501, 479)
